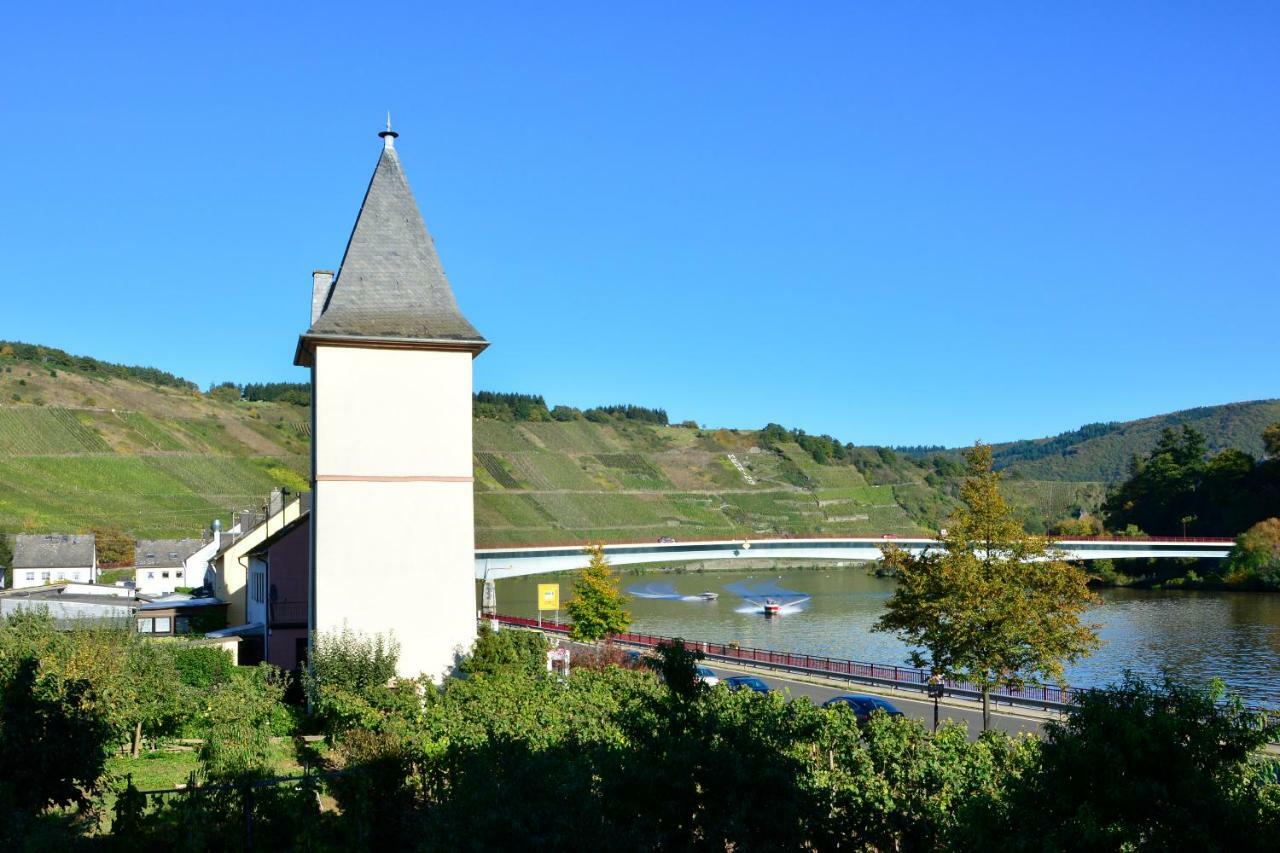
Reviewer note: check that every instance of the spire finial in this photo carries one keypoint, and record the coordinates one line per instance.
(388, 135)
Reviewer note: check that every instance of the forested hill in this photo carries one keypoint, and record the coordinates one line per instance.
(1101, 452)
(85, 444)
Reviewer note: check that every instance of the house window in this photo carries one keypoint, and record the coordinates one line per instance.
(144, 626)
(164, 575)
(259, 587)
(62, 576)
(182, 625)
(162, 625)
(44, 577)
(151, 576)
(31, 577)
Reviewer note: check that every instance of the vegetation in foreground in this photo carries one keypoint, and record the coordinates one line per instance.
(507, 756)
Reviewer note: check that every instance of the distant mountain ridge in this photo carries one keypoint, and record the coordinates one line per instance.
(1100, 452)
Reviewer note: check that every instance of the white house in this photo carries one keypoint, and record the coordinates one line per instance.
(163, 565)
(48, 558)
(393, 530)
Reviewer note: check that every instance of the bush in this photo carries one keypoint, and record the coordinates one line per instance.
(508, 649)
(1142, 766)
(201, 667)
(354, 661)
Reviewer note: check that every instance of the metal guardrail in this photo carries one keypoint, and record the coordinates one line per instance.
(1044, 696)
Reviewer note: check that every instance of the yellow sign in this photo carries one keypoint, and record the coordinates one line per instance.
(548, 596)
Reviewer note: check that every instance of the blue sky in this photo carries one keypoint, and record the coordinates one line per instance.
(897, 225)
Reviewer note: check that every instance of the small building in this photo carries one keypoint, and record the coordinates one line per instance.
(70, 603)
(164, 565)
(40, 559)
(173, 615)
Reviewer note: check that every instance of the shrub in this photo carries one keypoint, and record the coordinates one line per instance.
(499, 651)
(351, 660)
(201, 667)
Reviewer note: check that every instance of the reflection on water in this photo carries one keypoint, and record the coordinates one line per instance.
(1196, 635)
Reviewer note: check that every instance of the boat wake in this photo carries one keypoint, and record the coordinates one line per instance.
(667, 592)
(768, 599)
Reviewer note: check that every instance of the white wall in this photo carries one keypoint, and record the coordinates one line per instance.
(40, 577)
(394, 526)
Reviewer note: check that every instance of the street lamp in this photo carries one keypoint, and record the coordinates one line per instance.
(937, 689)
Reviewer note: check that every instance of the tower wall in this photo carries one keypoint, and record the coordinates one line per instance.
(394, 545)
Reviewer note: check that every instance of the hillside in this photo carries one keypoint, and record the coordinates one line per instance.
(79, 449)
(1101, 452)
(86, 444)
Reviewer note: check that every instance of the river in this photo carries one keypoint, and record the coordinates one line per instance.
(1234, 636)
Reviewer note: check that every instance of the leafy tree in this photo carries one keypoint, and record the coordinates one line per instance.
(227, 392)
(239, 724)
(1176, 490)
(6, 560)
(114, 546)
(53, 745)
(993, 606)
(1150, 767)
(1271, 440)
(155, 702)
(678, 666)
(1256, 556)
(596, 608)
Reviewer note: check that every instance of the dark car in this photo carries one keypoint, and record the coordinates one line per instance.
(746, 682)
(863, 706)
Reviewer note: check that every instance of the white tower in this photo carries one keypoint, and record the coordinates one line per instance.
(393, 532)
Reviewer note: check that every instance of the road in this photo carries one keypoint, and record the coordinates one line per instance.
(916, 708)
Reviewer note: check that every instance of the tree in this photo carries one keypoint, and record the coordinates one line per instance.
(1141, 766)
(1255, 559)
(238, 722)
(994, 606)
(6, 560)
(155, 701)
(1271, 440)
(596, 608)
(114, 546)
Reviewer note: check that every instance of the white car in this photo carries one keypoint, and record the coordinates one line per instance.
(707, 677)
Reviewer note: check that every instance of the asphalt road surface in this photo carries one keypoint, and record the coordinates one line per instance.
(917, 708)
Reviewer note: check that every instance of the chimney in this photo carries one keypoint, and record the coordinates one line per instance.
(321, 284)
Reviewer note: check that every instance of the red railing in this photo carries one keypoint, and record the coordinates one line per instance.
(1039, 695)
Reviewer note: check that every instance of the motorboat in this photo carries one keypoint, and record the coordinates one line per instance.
(709, 596)
(771, 607)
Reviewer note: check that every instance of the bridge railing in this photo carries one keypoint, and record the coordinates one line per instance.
(1048, 696)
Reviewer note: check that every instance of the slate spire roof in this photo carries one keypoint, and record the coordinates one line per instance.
(391, 286)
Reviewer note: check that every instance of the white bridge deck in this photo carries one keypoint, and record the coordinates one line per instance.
(498, 563)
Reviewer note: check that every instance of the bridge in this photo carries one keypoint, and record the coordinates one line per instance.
(499, 563)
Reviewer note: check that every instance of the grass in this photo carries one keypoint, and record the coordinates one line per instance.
(34, 431)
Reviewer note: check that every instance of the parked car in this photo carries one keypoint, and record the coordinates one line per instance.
(707, 677)
(666, 539)
(746, 682)
(863, 706)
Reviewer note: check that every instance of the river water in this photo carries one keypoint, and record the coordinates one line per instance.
(1234, 636)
